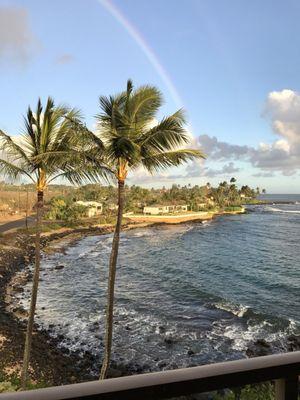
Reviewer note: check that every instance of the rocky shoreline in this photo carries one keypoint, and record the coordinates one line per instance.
(51, 363)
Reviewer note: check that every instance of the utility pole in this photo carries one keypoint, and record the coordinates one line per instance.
(26, 219)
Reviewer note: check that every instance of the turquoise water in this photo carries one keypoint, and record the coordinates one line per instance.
(186, 294)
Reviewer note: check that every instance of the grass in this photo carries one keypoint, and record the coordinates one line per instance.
(233, 208)
(262, 391)
(12, 383)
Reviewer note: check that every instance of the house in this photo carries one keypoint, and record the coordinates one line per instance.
(210, 201)
(93, 207)
(160, 209)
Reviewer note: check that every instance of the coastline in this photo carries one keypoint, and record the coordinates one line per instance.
(62, 366)
(49, 364)
(181, 217)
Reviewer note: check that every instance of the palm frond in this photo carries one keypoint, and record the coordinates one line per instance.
(161, 161)
(80, 136)
(124, 148)
(111, 118)
(86, 174)
(9, 145)
(168, 134)
(11, 171)
(144, 103)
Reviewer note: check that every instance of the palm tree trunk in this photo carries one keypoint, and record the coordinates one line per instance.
(111, 283)
(35, 283)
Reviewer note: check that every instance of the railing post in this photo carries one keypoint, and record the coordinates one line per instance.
(286, 389)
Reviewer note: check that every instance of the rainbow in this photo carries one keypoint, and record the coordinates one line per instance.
(144, 46)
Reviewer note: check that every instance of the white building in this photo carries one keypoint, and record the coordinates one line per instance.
(93, 207)
(159, 209)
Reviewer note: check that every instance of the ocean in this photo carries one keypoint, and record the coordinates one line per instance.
(186, 294)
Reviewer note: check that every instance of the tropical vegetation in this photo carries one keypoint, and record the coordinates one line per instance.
(48, 149)
(56, 144)
(129, 138)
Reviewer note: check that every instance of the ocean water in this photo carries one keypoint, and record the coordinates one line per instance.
(295, 198)
(185, 295)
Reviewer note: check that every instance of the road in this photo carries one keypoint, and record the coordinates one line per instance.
(19, 223)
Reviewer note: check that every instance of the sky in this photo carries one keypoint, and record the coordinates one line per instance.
(232, 65)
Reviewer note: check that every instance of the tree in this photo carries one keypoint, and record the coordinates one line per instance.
(49, 148)
(130, 142)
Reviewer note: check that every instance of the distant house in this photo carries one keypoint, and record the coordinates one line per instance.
(161, 209)
(93, 207)
(112, 207)
(210, 201)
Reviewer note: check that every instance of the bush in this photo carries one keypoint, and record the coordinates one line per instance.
(263, 391)
(233, 208)
(64, 210)
(7, 387)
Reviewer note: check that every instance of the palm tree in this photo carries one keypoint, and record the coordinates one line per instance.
(131, 141)
(48, 149)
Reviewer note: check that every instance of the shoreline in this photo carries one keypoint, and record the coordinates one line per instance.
(50, 364)
(63, 366)
(180, 217)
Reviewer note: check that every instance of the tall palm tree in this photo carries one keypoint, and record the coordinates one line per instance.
(131, 141)
(49, 148)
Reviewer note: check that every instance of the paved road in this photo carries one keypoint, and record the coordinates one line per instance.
(19, 223)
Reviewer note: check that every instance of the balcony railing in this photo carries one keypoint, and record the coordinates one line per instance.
(284, 369)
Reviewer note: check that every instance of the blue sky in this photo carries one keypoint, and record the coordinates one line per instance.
(234, 65)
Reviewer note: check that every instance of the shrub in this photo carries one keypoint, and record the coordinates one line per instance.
(263, 391)
(233, 208)
(7, 387)
(65, 210)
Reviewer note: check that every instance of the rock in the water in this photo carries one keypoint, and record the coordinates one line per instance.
(168, 340)
(114, 373)
(259, 348)
(162, 364)
(59, 267)
(161, 329)
(293, 342)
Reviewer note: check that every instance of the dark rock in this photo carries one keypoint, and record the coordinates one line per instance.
(59, 267)
(161, 329)
(114, 373)
(262, 343)
(190, 352)
(162, 364)
(127, 328)
(293, 342)
(18, 289)
(169, 340)
(259, 348)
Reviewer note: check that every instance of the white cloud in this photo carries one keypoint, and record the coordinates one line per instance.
(282, 155)
(17, 41)
(282, 108)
